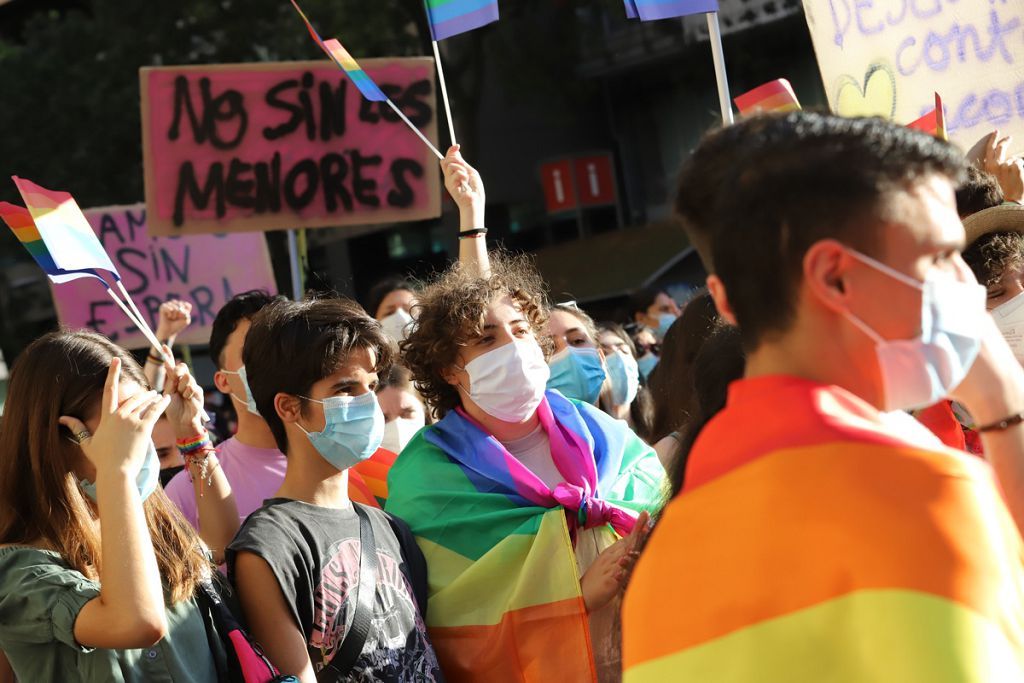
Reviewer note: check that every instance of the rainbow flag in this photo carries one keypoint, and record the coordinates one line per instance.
(934, 122)
(504, 591)
(650, 10)
(823, 548)
(340, 56)
(449, 18)
(19, 220)
(775, 96)
(61, 225)
(368, 480)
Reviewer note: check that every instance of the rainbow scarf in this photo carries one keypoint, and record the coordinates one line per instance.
(505, 602)
(832, 551)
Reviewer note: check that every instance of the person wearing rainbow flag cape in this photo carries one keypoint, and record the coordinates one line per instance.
(516, 492)
(822, 533)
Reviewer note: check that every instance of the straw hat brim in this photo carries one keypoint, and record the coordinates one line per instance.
(1002, 218)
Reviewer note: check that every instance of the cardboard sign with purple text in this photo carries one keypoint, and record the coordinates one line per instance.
(889, 58)
(267, 146)
(204, 270)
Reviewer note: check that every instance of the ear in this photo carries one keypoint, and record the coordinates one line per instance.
(220, 380)
(826, 268)
(451, 374)
(716, 288)
(288, 407)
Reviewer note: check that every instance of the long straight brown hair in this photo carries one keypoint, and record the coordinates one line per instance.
(41, 503)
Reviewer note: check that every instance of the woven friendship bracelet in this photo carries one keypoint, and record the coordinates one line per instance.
(193, 443)
(1004, 424)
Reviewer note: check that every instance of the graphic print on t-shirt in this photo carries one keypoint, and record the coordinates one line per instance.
(390, 653)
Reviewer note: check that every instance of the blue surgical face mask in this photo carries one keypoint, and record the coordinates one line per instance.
(147, 480)
(646, 364)
(624, 375)
(920, 372)
(577, 373)
(665, 321)
(353, 429)
(249, 402)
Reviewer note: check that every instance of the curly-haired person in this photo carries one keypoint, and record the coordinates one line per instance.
(516, 492)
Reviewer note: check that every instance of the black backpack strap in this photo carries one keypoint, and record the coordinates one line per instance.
(366, 596)
(206, 602)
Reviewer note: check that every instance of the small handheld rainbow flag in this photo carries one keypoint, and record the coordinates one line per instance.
(774, 96)
(934, 122)
(19, 220)
(340, 56)
(449, 18)
(651, 10)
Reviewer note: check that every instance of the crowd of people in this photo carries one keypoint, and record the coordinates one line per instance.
(812, 470)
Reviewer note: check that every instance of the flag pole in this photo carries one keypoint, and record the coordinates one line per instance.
(293, 259)
(444, 92)
(718, 55)
(416, 130)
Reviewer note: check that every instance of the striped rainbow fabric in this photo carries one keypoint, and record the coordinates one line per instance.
(774, 96)
(449, 18)
(652, 10)
(19, 220)
(340, 56)
(934, 122)
(504, 592)
(833, 555)
(60, 224)
(368, 480)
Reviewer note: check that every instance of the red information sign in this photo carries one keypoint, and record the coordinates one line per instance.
(595, 181)
(559, 193)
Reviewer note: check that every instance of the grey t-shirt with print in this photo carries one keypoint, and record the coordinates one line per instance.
(314, 554)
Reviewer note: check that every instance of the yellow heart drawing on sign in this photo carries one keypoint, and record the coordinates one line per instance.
(876, 98)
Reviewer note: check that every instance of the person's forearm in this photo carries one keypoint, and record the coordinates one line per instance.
(473, 256)
(129, 577)
(215, 502)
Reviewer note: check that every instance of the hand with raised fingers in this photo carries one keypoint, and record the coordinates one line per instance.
(123, 436)
(1007, 169)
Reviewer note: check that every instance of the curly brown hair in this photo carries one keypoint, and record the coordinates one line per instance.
(990, 255)
(450, 312)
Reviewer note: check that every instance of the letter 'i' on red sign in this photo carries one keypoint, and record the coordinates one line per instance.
(559, 189)
(595, 180)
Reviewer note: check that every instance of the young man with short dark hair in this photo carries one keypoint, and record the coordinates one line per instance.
(822, 533)
(300, 562)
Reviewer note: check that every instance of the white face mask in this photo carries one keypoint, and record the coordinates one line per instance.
(397, 325)
(508, 383)
(1009, 317)
(399, 432)
(922, 371)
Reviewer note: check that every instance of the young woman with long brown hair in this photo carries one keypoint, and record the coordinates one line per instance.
(83, 599)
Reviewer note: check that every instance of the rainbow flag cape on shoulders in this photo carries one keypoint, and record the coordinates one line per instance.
(504, 592)
(834, 551)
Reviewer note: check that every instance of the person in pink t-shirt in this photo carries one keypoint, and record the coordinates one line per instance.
(250, 459)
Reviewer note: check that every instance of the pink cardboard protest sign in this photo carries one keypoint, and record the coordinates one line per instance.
(205, 270)
(245, 147)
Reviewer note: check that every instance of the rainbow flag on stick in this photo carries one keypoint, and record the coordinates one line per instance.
(19, 220)
(934, 122)
(340, 56)
(775, 96)
(449, 18)
(651, 10)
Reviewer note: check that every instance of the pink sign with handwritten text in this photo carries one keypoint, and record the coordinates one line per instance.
(204, 270)
(245, 147)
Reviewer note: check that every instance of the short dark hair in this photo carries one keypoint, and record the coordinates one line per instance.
(704, 176)
(241, 307)
(384, 287)
(991, 254)
(979, 191)
(830, 177)
(292, 345)
(642, 299)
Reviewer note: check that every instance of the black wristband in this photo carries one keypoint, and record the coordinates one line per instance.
(472, 232)
(1004, 424)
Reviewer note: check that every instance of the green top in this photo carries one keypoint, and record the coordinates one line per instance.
(40, 597)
